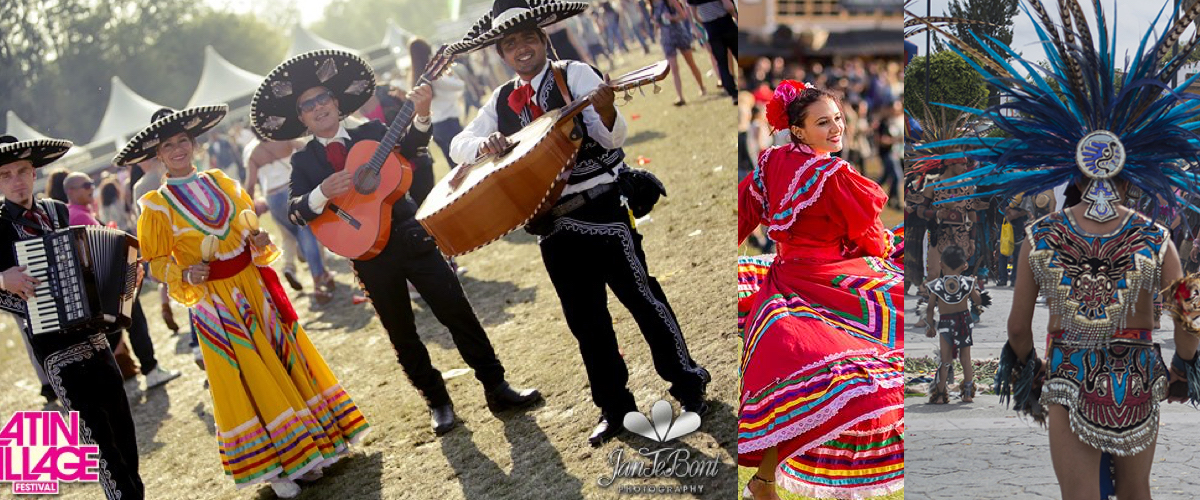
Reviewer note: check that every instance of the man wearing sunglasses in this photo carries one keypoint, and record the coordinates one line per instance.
(80, 195)
(312, 93)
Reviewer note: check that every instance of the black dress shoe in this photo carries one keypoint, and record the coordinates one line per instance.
(504, 398)
(604, 431)
(444, 419)
(699, 407)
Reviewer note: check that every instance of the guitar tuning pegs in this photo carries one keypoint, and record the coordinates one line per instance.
(628, 96)
(657, 89)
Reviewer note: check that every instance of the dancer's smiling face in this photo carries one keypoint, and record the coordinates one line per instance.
(176, 153)
(821, 126)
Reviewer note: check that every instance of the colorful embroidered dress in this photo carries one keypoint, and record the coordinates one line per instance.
(279, 410)
(823, 361)
(1109, 378)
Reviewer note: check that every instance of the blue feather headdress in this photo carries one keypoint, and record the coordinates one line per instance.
(1081, 119)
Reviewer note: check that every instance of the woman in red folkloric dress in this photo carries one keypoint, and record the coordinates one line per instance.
(822, 400)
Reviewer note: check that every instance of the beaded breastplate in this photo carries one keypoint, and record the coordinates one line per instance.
(1093, 281)
(952, 289)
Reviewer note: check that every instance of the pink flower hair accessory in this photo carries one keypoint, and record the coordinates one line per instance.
(785, 93)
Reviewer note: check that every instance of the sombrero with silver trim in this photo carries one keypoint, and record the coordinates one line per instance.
(166, 123)
(40, 152)
(508, 16)
(273, 110)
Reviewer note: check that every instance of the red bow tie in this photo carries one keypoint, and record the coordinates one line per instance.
(522, 98)
(335, 152)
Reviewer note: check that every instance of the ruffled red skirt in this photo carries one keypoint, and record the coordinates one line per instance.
(822, 373)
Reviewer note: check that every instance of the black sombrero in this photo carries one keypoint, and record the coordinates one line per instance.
(509, 16)
(40, 152)
(273, 110)
(165, 123)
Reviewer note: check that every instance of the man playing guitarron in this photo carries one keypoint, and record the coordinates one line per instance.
(312, 93)
(587, 240)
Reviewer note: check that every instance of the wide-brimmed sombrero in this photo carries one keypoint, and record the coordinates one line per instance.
(273, 110)
(40, 152)
(166, 123)
(510, 16)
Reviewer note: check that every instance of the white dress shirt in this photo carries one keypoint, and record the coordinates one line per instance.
(580, 81)
(447, 99)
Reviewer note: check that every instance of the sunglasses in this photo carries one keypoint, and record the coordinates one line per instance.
(86, 185)
(307, 106)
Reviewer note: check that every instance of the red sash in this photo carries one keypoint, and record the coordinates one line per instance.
(224, 269)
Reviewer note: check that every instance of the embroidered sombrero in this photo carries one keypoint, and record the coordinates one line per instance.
(509, 16)
(273, 110)
(40, 152)
(165, 123)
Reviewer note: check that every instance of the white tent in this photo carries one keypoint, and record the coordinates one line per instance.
(126, 113)
(17, 127)
(305, 41)
(221, 81)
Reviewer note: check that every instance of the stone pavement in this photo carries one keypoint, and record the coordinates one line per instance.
(981, 450)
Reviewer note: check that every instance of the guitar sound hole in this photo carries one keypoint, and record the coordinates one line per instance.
(366, 181)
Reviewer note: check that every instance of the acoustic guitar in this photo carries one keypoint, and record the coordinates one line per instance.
(481, 201)
(357, 224)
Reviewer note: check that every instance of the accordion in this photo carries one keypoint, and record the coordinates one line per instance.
(88, 279)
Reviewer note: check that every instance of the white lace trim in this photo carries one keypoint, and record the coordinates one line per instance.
(812, 199)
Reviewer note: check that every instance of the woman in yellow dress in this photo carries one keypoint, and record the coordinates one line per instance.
(280, 413)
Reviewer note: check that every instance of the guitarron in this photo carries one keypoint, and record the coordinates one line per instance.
(484, 200)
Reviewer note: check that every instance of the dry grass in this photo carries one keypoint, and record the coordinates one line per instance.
(541, 454)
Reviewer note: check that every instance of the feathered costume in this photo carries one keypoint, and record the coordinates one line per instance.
(1081, 120)
(821, 376)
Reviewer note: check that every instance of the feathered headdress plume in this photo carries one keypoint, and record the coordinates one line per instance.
(1094, 123)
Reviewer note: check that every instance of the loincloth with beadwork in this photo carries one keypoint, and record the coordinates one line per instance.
(1111, 393)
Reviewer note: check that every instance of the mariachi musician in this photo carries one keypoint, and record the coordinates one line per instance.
(587, 240)
(79, 364)
(312, 93)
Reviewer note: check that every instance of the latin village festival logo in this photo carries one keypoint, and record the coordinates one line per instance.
(39, 449)
(664, 462)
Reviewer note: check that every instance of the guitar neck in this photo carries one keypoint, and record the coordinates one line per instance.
(395, 132)
(577, 106)
(404, 118)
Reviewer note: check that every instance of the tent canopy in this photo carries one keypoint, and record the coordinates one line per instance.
(221, 81)
(17, 127)
(126, 113)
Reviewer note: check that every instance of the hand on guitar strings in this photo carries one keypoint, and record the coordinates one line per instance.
(337, 184)
(196, 274)
(261, 239)
(16, 281)
(494, 144)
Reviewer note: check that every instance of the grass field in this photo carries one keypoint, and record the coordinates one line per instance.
(689, 241)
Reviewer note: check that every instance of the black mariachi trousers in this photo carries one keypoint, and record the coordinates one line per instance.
(593, 247)
(412, 255)
(86, 379)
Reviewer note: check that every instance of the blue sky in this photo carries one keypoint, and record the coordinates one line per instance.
(1134, 18)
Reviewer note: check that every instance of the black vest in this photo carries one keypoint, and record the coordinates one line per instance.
(593, 159)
